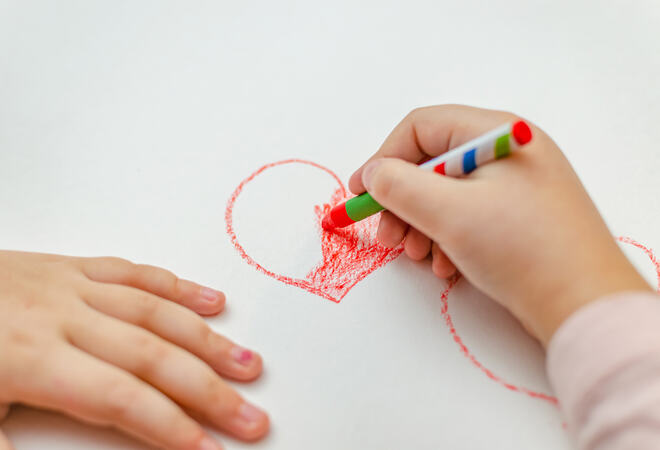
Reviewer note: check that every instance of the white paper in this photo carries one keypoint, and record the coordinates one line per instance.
(126, 126)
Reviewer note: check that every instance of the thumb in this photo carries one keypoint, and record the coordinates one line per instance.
(418, 196)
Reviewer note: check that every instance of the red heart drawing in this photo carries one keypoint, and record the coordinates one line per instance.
(349, 254)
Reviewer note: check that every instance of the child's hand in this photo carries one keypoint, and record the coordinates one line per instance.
(97, 338)
(523, 229)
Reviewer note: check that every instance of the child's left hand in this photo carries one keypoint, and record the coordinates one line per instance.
(114, 343)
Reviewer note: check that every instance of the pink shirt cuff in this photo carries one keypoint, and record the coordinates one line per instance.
(604, 365)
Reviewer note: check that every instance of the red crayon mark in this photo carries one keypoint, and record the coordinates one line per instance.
(466, 352)
(649, 253)
(349, 255)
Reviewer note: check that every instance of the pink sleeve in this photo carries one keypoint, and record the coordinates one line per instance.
(604, 364)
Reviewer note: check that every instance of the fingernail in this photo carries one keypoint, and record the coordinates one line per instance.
(368, 172)
(208, 444)
(241, 355)
(209, 294)
(250, 413)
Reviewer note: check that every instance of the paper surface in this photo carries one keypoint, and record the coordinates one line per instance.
(125, 128)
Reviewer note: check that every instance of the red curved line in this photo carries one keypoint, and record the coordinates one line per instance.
(469, 355)
(649, 253)
(466, 352)
(301, 283)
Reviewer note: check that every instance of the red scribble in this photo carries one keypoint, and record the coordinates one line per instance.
(649, 253)
(466, 352)
(349, 254)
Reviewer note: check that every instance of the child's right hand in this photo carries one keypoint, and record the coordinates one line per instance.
(523, 230)
(104, 340)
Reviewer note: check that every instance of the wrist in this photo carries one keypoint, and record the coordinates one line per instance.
(545, 315)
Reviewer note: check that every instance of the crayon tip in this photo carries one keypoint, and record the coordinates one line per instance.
(337, 218)
(327, 223)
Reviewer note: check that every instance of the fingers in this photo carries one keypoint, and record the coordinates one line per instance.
(431, 131)
(99, 393)
(177, 325)
(417, 245)
(442, 266)
(421, 198)
(175, 372)
(391, 229)
(165, 284)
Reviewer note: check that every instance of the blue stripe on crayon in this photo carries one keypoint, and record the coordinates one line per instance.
(469, 161)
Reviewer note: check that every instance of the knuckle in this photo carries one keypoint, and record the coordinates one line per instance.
(417, 112)
(174, 285)
(214, 346)
(204, 332)
(20, 339)
(194, 437)
(194, 324)
(185, 432)
(152, 353)
(225, 400)
(22, 355)
(205, 340)
(456, 235)
(121, 399)
(147, 307)
(114, 260)
(422, 111)
(386, 180)
(26, 349)
(164, 280)
(510, 117)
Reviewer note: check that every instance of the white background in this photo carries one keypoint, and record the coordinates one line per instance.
(125, 126)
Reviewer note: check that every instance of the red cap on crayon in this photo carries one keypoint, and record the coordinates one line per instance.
(521, 132)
